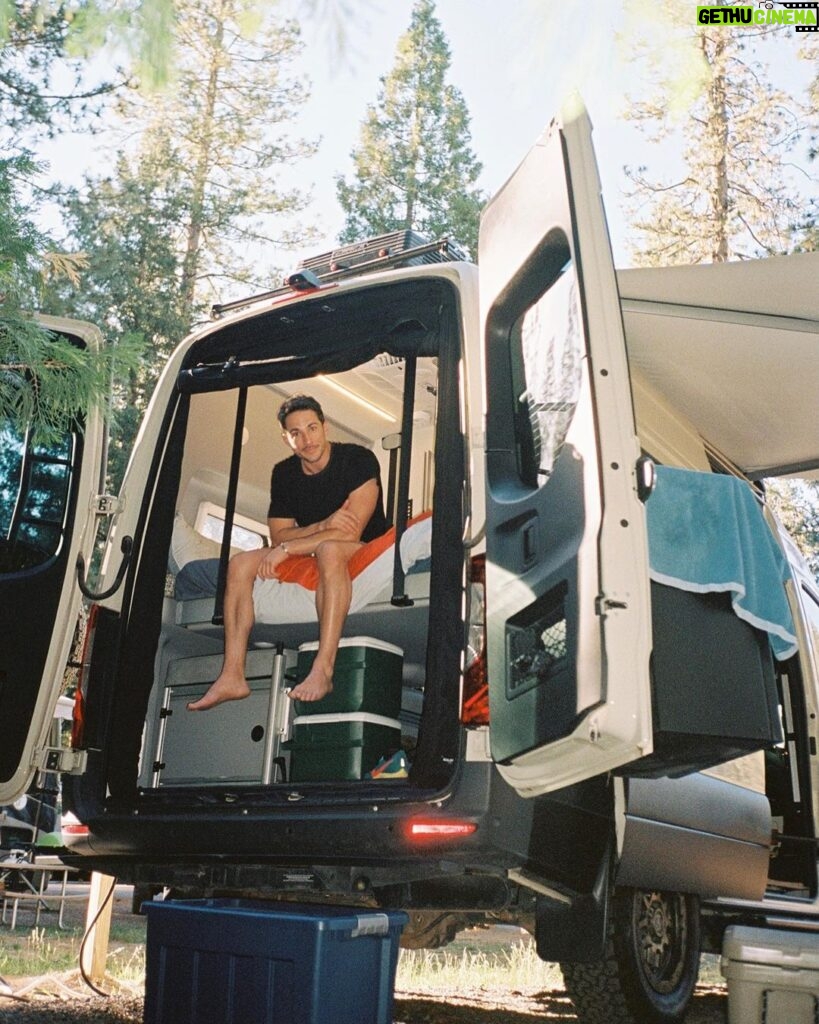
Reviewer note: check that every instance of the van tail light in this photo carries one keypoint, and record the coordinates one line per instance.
(475, 694)
(78, 740)
(74, 828)
(421, 829)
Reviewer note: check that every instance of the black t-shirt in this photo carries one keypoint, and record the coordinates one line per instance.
(309, 498)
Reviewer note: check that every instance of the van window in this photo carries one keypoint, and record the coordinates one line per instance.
(246, 533)
(34, 489)
(547, 348)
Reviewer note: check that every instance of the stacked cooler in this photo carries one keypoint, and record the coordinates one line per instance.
(344, 735)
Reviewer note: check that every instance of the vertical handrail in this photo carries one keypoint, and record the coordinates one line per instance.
(399, 596)
(230, 507)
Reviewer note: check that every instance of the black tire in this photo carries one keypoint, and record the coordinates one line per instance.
(651, 964)
(143, 894)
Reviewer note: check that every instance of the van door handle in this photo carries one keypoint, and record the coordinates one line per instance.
(529, 543)
(126, 548)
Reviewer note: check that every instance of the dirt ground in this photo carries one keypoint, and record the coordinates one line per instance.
(65, 999)
(53, 1005)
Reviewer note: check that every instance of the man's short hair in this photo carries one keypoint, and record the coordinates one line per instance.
(299, 403)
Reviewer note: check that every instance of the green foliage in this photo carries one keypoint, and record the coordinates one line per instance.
(190, 202)
(414, 168)
(41, 86)
(231, 104)
(45, 382)
(128, 225)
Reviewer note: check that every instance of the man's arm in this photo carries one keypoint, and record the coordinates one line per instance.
(346, 523)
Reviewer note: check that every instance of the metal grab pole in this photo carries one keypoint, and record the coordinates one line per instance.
(273, 731)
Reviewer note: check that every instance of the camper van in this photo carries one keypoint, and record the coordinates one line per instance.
(576, 689)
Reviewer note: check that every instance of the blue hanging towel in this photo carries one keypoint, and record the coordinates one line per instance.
(706, 534)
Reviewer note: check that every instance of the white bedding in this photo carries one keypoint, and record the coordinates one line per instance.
(278, 602)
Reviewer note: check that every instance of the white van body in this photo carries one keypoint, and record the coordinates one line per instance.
(618, 758)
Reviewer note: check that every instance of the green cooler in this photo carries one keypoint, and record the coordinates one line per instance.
(367, 677)
(344, 746)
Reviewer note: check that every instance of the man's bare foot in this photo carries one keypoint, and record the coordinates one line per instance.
(315, 685)
(225, 688)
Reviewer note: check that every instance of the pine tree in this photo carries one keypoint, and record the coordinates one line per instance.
(41, 79)
(733, 198)
(230, 103)
(809, 222)
(44, 383)
(189, 200)
(129, 226)
(414, 168)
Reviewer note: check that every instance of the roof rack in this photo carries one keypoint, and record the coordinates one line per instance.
(399, 248)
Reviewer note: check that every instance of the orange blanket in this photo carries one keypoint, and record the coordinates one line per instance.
(302, 569)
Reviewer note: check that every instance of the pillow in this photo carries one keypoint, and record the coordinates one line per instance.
(196, 579)
(188, 545)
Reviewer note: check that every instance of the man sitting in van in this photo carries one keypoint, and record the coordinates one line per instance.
(325, 501)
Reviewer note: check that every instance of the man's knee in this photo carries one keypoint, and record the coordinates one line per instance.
(333, 554)
(243, 566)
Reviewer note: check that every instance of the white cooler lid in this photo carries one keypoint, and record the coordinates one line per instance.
(792, 949)
(357, 641)
(347, 716)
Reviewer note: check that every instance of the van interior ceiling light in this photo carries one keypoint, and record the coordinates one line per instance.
(363, 402)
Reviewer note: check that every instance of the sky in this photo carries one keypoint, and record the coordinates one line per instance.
(514, 62)
(513, 66)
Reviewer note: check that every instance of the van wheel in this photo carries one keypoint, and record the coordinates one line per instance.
(143, 894)
(651, 963)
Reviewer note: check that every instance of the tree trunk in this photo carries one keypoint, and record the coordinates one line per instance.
(190, 265)
(719, 139)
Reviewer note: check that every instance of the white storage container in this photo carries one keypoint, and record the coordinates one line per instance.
(773, 976)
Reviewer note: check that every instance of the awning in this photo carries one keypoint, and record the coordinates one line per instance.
(736, 346)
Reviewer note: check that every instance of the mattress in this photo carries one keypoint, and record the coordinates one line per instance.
(288, 602)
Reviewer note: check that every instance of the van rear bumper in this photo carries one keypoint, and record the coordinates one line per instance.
(696, 834)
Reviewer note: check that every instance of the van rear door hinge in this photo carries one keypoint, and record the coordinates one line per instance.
(106, 504)
(62, 760)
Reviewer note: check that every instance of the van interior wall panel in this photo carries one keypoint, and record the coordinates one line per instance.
(401, 319)
(543, 706)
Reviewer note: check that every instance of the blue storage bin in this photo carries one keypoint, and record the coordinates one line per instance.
(226, 961)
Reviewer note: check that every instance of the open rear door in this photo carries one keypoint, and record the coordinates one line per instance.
(568, 607)
(46, 493)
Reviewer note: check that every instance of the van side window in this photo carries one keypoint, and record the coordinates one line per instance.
(246, 534)
(34, 488)
(547, 349)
